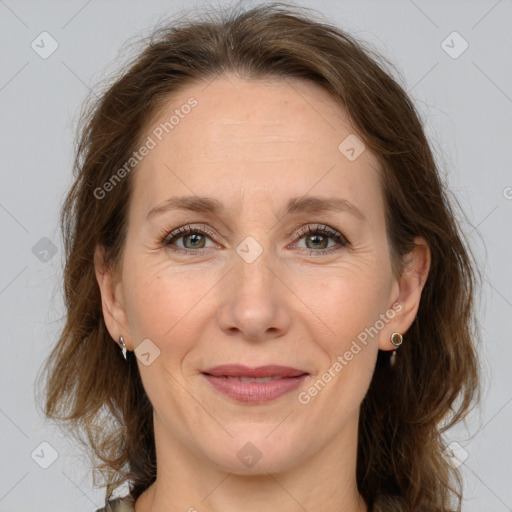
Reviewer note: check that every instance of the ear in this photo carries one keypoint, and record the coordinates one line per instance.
(112, 300)
(407, 292)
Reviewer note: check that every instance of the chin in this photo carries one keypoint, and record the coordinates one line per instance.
(253, 452)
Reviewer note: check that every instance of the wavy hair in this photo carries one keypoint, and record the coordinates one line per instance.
(434, 383)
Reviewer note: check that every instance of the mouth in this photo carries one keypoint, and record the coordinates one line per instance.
(255, 385)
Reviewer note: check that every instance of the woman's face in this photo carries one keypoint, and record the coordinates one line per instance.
(249, 286)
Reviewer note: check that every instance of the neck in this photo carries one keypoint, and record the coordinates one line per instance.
(324, 482)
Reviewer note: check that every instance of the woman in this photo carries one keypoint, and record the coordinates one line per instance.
(256, 225)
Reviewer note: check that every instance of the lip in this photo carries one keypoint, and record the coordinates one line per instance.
(225, 379)
(238, 370)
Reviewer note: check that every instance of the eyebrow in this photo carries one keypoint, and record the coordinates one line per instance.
(305, 204)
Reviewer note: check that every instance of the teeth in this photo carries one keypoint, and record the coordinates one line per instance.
(252, 379)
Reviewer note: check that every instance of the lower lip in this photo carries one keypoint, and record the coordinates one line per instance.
(255, 392)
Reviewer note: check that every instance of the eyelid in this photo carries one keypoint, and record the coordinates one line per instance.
(322, 228)
(184, 230)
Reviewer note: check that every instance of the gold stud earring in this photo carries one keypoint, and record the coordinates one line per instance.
(396, 339)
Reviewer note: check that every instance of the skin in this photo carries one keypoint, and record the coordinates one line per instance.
(254, 144)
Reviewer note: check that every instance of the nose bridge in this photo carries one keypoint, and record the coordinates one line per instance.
(251, 262)
(255, 256)
(253, 300)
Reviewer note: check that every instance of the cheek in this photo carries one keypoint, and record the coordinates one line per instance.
(158, 300)
(149, 308)
(159, 307)
(337, 304)
(349, 309)
(346, 303)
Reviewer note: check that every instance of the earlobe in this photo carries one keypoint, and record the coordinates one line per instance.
(410, 285)
(112, 300)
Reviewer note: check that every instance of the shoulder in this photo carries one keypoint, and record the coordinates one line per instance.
(118, 505)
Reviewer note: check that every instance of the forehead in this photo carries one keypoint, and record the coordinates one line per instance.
(234, 136)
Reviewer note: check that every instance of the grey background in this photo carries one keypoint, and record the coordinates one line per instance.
(466, 103)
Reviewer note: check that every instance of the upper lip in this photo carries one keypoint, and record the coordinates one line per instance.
(238, 370)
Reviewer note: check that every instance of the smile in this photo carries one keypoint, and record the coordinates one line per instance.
(254, 385)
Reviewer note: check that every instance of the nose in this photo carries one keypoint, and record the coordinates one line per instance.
(255, 302)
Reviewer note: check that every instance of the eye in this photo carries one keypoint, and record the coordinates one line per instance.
(193, 238)
(317, 239)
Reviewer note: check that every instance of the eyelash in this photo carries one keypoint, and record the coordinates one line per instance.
(167, 238)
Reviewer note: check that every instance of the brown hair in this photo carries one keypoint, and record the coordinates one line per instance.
(435, 378)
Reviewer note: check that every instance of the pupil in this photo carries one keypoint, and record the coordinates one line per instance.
(196, 237)
(318, 237)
